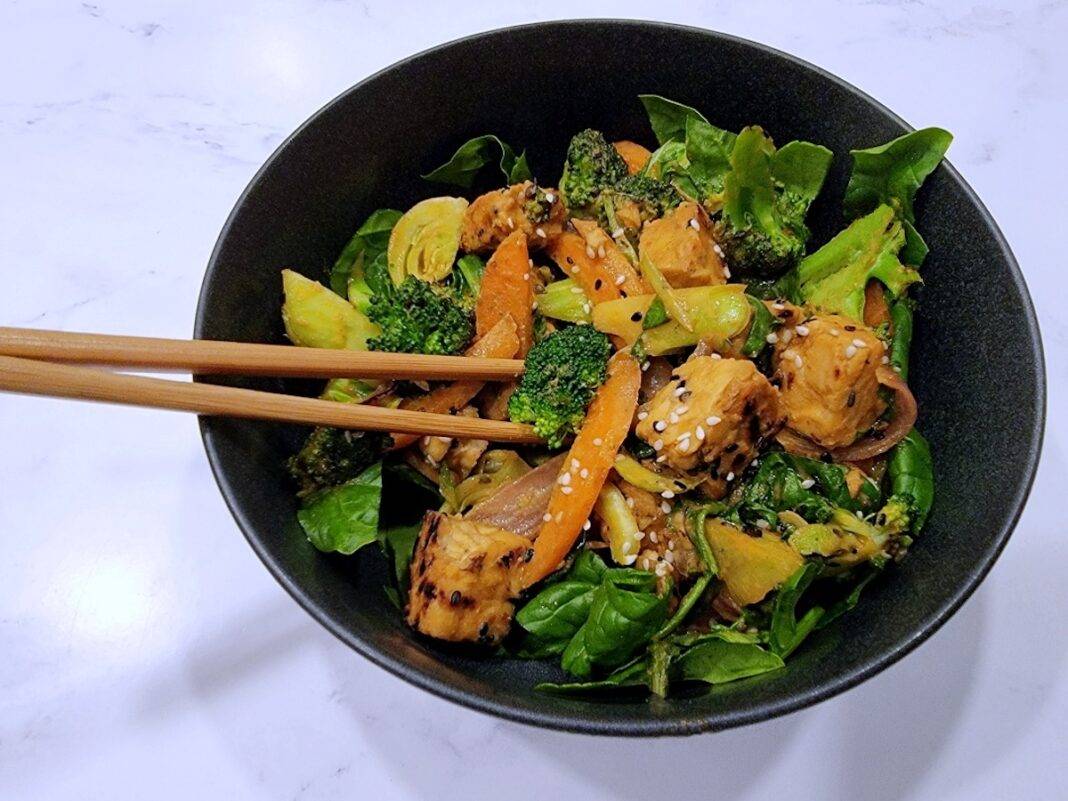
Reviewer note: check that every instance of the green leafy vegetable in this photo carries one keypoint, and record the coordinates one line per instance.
(343, 519)
(717, 661)
(708, 153)
(473, 155)
(370, 240)
(911, 472)
(656, 314)
(763, 324)
(787, 631)
(668, 118)
(801, 168)
(893, 172)
(633, 674)
(901, 343)
(833, 278)
(849, 602)
(779, 485)
(467, 277)
(686, 605)
(398, 544)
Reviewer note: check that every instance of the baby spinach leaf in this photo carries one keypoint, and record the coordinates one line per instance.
(399, 542)
(344, 518)
(911, 472)
(686, 605)
(849, 602)
(787, 632)
(778, 485)
(800, 168)
(668, 118)
(370, 240)
(473, 155)
(717, 661)
(708, 151)
(620, 622)
(633, 674)
(891, 174)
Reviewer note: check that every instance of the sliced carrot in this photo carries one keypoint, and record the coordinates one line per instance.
(507, 290)
(501, 341)
(586, 467)
(602, 277)
(634, 154)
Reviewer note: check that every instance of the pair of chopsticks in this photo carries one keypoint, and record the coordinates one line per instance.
(61, 364)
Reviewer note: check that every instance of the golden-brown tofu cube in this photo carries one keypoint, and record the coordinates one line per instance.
(539, 213)
(680, 244)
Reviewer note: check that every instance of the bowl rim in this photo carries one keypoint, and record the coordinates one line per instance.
(718, 719)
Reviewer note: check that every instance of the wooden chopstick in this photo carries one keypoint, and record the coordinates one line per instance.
(31, 377)
(211, 357)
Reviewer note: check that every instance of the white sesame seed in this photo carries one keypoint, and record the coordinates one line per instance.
(679, 391)
(645, 366)
(660, 459)
(771, 339)
(860, 515)
(665, 507)
(761, 524)
(620, 280)
(575, 464)
(730, 476)
(639, 535)
(625, 547)
(669, 557)
(575, 290)
(700, 433)
(659, 426)
(671, 545)
(565, 478)
(719, 250)
(786, 336)
(549, 196)
(598, 442)
(534, 306)
(530, 263)
(616, 234)
(586, 526)
(630, 502)
(658, 445)
(726, 271)
(526, 276)
(802, 330)
(797, 359)
(567, 490)
(540, 232)
(600, 251)
(584, 473)
(694, 224)
(896, 369)
(511, 223)
(586, 307)
(559, 516)
(546, 517)
(674, 418)
(643, 414)
(778, 306)
(681, 410)
(576, 270)
(711, 420)
(653, 538)
(834, 332)
(590, 252)
(661, 570)
(850, 351)
(716, 356)
(885, 360)
(860, 343)
(668, 494)
(808, 483)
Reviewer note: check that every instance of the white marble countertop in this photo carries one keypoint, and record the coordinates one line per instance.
(146, 653)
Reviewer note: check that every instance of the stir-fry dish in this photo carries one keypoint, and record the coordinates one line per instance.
(729, 446)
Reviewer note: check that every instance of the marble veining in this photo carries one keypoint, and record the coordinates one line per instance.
(144, 651)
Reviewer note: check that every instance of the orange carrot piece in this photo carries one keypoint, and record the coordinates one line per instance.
(507, 290)
(634, 154)
(501, 341)
(602, 278)
(586, 467)
(876, 309)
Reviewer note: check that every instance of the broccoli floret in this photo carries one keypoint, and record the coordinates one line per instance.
(761, 230)
(635, 200)
(332, 456)
(592, 165)
(538, 209)
(896, 515)
(417, 317)
(562, 373)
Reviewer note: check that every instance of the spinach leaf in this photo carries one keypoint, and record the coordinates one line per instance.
(911, 472)
(686, 605)
(779, 485)
(344, 518)
(708, 151)
(620, 622)
(668, 118)
(900, 345)
(398, 544)
(839, 608)
(763, 323)
(787, 632)
(473, 155)
(633, 674)
(717, 661)
(370, 240)
(891, 174)
(800, 168)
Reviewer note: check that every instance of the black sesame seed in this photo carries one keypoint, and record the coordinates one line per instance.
(598, 284)
(454, 599)
(636, 317)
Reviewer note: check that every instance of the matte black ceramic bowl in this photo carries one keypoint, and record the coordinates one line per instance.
(977, 364)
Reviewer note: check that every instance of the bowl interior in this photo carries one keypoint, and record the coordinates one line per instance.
(534, 86)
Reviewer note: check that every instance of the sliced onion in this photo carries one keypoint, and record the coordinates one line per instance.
(655, 377)
(901, 423)
(520, 505)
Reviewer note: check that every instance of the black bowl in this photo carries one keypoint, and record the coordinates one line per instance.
(977, 364)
